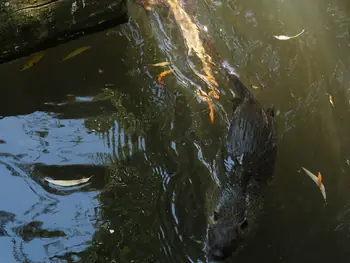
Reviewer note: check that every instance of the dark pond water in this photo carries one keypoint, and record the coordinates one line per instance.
(150, 148)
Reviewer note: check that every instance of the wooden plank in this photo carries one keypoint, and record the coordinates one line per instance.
(28, 26)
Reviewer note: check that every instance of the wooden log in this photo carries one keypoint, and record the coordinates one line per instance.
(28, 26)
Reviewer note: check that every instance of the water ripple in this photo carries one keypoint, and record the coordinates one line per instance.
(40, 225)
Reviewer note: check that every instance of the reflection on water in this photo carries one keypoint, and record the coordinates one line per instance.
(39, 225)
(150, 149)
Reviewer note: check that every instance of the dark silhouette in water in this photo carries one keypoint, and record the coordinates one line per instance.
(244, 164)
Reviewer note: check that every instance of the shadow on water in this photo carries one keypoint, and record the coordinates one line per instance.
(150, 148)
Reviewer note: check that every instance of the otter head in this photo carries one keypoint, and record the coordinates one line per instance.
(224, 237)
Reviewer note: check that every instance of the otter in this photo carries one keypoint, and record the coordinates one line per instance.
(244, 164)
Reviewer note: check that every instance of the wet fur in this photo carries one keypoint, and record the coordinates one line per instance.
(244, 165)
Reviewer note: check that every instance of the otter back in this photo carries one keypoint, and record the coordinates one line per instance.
(244, 165)
(250, 143)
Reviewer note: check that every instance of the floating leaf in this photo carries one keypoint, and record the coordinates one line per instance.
(68, 182)
(35, 59)
(211, 110)
(191, 35)
(204, 96)
(330, 99)
(318, 181)
(76, 52)
(161, 64)
(162, 75)
(254, 87)
(282, 37)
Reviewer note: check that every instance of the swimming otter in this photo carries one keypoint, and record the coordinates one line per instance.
(244, 163)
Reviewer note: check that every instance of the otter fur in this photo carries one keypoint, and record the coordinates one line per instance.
(245, 163)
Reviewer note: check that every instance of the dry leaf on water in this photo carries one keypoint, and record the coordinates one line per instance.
(318, 181)
(204, 96)
(161, 64)
(282, 37)
(330, 99)
(162, 75)
(35, 59)
(68, 182)
(211, 110)
(76, 52)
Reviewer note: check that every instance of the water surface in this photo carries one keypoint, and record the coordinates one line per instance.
(150, 148)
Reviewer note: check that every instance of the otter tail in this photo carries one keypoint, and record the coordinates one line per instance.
(241, 89)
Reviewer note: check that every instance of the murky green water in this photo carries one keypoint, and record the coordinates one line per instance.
(150, 148)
